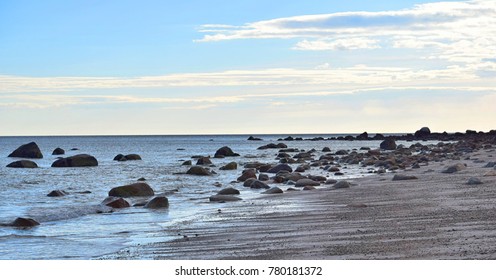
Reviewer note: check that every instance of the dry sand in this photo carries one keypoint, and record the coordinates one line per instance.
(437, 216)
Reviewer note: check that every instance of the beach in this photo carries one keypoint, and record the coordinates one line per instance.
(436, 216)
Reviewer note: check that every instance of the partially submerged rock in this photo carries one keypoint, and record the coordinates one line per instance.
(116, 202)
(29, 150)
(198, 170)
(203, 161)
(280, 167)
(402, 177)
(273, 190)
(24, 222)
(306, 182)
(158, 202)
(341, 185)
(223, 198)
(228, 191)
(225, 152)
(230, 166)
(81, 160)
(136, 189)
(58, 151)
(247, 174)
(57, 193)
(388, 144)
(23, 164)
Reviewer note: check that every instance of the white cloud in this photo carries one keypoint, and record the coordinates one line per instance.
(340, 44)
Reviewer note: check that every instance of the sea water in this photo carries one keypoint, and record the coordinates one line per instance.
(77, 226)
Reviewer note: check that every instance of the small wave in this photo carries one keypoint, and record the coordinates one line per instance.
(48, 214)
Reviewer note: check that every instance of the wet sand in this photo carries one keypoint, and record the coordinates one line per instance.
(437, 216)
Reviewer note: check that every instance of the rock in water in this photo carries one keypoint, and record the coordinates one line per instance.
(23, 164)
(225, 152)
(223, 198)
(203, 161)
(247, 174)
(256, 184)
(30, 150)
(273, 190)
(402, 177)
(81, 160)
(116, 202)
(187, 162)
(56, 193)
(230, 166)
(341, 185)
(280, 167)
(198, 170)
(136, 189)
(24, 222)
(228, 191)
(388, 144)
(306, 182)
(423, 132)
(58, 151)
(158, 202)
(454, 168)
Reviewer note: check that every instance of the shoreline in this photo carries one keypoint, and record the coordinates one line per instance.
(437, 216)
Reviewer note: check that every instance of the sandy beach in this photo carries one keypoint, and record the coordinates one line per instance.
(437, 216)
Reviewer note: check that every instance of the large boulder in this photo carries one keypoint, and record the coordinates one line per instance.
(29, 150)
(56, 193)
(158, 202)
(247, 174)
(116, 202)
(136, 189)
(225, 152)
(24, 222)
(198, 170)
(203, 161)
(280, 167)
(58, 151)
(388, 144)
(256, 184)
(23, 164)
(81, 160)
(230, 166)
(423, 132)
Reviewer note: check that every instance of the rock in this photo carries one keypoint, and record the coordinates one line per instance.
(29, 150)
(136, 189)
(247, 173)
(474, 181)
(326, 150)
(187, 162)
(454, 168)
(333, 169)
(280, 167)
(157, 202)
(273, 190)
(81, 160)
(228, 191)
(402, 177)
(230, 166)
(24, 222)
(273, 146)
(423, 132)
(116, 202)
(141, 179)
(259, 185)
(56, 193)
(120, 157)
(363, 136)
(223, 198)
(203, 161)
(490, 173)
(306, 182)
(388, 144)
(251, 138)
(198, 170)
(133, 157)
(58, 151)
(217, 184)
(331, 181)
(225, 152)
(263, 177)
(308, 188)
(490, 164)
(341, 185)
(248, 182)
(23, 164)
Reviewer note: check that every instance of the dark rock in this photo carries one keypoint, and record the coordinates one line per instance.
(133, 157)
(224, 198)
(341, 152)
(326, 150)
(474, 181)
(23, 164)
(141, 179)
(136, 189)
(247, 182)
(273, 146)
(198, 170)
(56, 193)
(308, 188)
(158, 202)
(230, 166)
(225, 152)
(454, 168)
(388, 144)
(378, 136)
(24, 222)
(306, 182)
(280, 167)
(30, 150)
(273, 190)
(331, 181)
(423, 132)
(251, 138)
(490, 164)
(203, 161)
(116, 202)
(246, 174)
(263, 177)
(402, 177)
(341, 185)
(81, 160)
(228, 191)
(259, 185)
(120, 157)
(58, 151)
(187, 162)
(363, 136)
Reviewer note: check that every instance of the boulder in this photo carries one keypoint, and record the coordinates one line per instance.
(474, 181)
(203, 161)
(342, 185)
(251, 138)
(29, 150)
(228, 191)
(158, 202)
(326, 150)
(454, 168)
(306, 182)
(388, 144)
(120, 157)
(363, 136)
(308, 188)
(24, 222)
(116, 202)
(247, 173)
(225, 152)
(331, 181)
(280, 167)
(273, 190)
(187, 162)
(56, 193)
(136, 189)
(230, 166)
(223, 198)
(259, 185)
(490, 173)
(23, 164)
(58, 151)
(198, 170)
(273, 146)
(263, 177)
(248, 182)
(133, 157)
(402, 177)
(423, 132)
(81, 160)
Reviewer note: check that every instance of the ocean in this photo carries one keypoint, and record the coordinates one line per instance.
(77, 226)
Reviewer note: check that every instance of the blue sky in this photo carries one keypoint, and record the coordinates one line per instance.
(196, 67)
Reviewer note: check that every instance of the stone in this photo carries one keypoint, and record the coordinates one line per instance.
(326, 150)
(474, 181)
(29, 150)
(24, 222)
(490, 173)
(230, 166)
(273, 146)
(187, 162)
(158, 202)
(331, 181)
(454, 168)
(402, 177)
(120, 157)
(203, 161)
(246, 174)
(81, 160)
(23, 164)
(341, 185)
(198, 170)
(251, 138)
(58, 151)
(306, 182)
(388, 144)
(259, 185)
(133, 157)
(136, 189)
(228, 191)
(224, 198)
(56, 193)
(116, 202)
(490, 164)
(225, 152)
(363, 136)
(273, 190)
(248, 182)
(141, 179)
(263, 177)
(280, 167)
(308, 188)
(423, 132)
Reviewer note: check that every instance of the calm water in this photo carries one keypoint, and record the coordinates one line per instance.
(70, 227)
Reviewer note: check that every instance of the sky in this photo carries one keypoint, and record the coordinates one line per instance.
(246, 67)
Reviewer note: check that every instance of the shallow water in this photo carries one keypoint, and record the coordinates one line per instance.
(70, 226)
